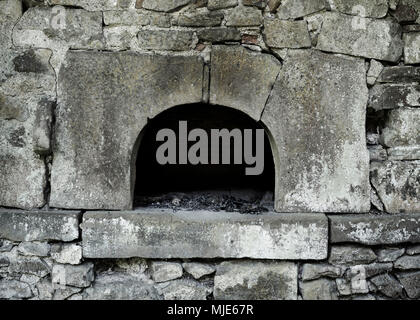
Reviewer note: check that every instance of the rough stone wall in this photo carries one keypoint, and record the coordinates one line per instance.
(332, 62)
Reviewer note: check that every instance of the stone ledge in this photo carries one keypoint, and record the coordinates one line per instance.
(375, 229)
(154, 233)
(17, 225)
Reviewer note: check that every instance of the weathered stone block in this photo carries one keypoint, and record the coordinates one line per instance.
(163, 234)
(174, 40)
(400, 74)
(219, 34)
(80, 276)
(136, 18)
(412, 47)
(221, 4)
(94, 5)
(93, 159)
(375, 229)
(18, 225)
(391, 96)
(121, 286)
(243, 17)
(308, 119)
(401, 127)
(286, 34)
(40, 249)
(164, 271)
(407, 262)
(362, 8)
(161, 5)
(242, 79)
(398, 185)
(183, 289)
(244, 280)
(351, 255)
(13, 289)
(411, 283)
(369, 38)
(39, 27)
(312, 271)
(121, 37)
(375, 70)
(404, 153)
(293, 9)
(198, 18)
(388, 286)
(29, 265)
(198, 270)
(66, 253)
(389, 254)
(321, 289)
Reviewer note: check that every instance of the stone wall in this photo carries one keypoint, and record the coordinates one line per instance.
(335, 83)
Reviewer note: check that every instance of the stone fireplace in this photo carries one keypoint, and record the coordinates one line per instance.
(86, 85)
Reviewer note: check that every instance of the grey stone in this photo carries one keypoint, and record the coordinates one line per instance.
(82, 177)
(404, 13)
(30, 265)
(221, 4)
(239, 280)
(376, 202)
(375, 229)
(82, 29)
(183, 289)
(165, 271)
(242, 79)
(219, 34)
(198, 270)
(323, 86)
(121, 37)
(162, 5)
(321, 289)
(66, 253)
(80, 276)
(391, 96)
(388, 285)
(312, 271)
(29, 81)
(408, 262)
(121, 286)
(6, 245)
(11, 8)
(198, 18)
(374, 269)
(136, 18)
(164, 234)
(273, 5)
(4, 261)
(351, 255)
(404, 153)
(397, 185)
(411, 28)
(375, 70)
(362, 8)
(413, 4)
(389, 254)
(377, 153)
(413, 250)
(286, 34)
(400, 74)
(381, 40)
(40, 249)
(13, 289)
(19, 225)
(45, 289)
(372, 138)
(93, 5)
(343, 286)
(401, 127)
(411, 283)
(243, 17)
(42, 127)
(65, 292)
(292, 9)
(174, 40)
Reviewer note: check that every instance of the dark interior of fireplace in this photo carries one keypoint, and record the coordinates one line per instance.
(222, 187)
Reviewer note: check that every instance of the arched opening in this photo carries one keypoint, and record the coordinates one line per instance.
(191, 186)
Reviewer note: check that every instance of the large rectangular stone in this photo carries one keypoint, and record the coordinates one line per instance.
(375, 229)
(319, 143)
(391, 96)
(400, 74)
(364, 37)
(154, 233)
(402, 127)
(16, 225)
